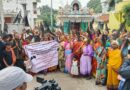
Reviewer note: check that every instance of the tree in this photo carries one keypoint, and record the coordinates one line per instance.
(112, 4)
(95, 5)
(46, 15)
(117, 1)
(126, 11)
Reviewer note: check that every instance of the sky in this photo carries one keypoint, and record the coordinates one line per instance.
(59, 3)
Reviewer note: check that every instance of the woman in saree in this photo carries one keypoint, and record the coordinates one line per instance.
(100, 55)
(114, 63)
(77, 49)
(61, 55)
(86, 59)
(68, 54)
(94, 62)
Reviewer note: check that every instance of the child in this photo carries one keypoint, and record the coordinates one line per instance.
(74, 68)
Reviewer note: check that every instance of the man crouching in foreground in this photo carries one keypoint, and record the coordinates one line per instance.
(14, 78)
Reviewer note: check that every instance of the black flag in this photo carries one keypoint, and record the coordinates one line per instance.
(91, 24)
(18, 17)
(26, 23)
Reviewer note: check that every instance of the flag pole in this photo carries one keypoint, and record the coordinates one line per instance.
(51, 15)
(1, 16)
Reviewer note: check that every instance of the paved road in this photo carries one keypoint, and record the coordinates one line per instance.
(68, 82)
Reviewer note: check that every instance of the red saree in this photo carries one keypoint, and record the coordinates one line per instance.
(77, 49)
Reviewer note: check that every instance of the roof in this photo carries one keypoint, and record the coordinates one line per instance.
(103, 18)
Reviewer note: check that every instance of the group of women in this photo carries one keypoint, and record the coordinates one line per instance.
(94, 54)
(89, 54)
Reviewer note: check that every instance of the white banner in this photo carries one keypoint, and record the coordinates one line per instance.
(43, 55)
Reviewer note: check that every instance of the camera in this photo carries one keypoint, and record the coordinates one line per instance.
(47, 85)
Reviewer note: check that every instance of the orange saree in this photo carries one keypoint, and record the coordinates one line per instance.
(114, 63)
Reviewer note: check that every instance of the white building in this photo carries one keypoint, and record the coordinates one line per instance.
(12, 7)
(105, 5)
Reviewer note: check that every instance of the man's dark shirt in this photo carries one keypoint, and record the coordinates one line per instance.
(7, 56)
(2, 45)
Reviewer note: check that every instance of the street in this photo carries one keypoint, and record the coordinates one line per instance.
(67, 82)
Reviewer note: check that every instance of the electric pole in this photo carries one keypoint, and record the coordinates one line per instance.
(1, 16)
(51, 15)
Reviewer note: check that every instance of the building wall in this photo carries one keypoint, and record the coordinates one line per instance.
(14, 6)
(17, 27)
(32, 11)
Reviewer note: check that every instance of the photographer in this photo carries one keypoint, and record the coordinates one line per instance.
(14, 78)
(125, 73)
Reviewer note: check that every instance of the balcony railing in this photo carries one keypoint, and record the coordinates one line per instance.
(22, 1)
(36, 0)
(75, 13)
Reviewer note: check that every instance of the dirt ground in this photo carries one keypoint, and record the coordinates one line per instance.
(67, 82)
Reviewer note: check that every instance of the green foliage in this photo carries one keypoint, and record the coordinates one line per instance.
(117, 1)
(126, 11)
(46, 15)
(95, 5)
(112, 4)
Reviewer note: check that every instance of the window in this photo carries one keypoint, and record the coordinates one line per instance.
(34, 7)
(8, 19)
(24, 6)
